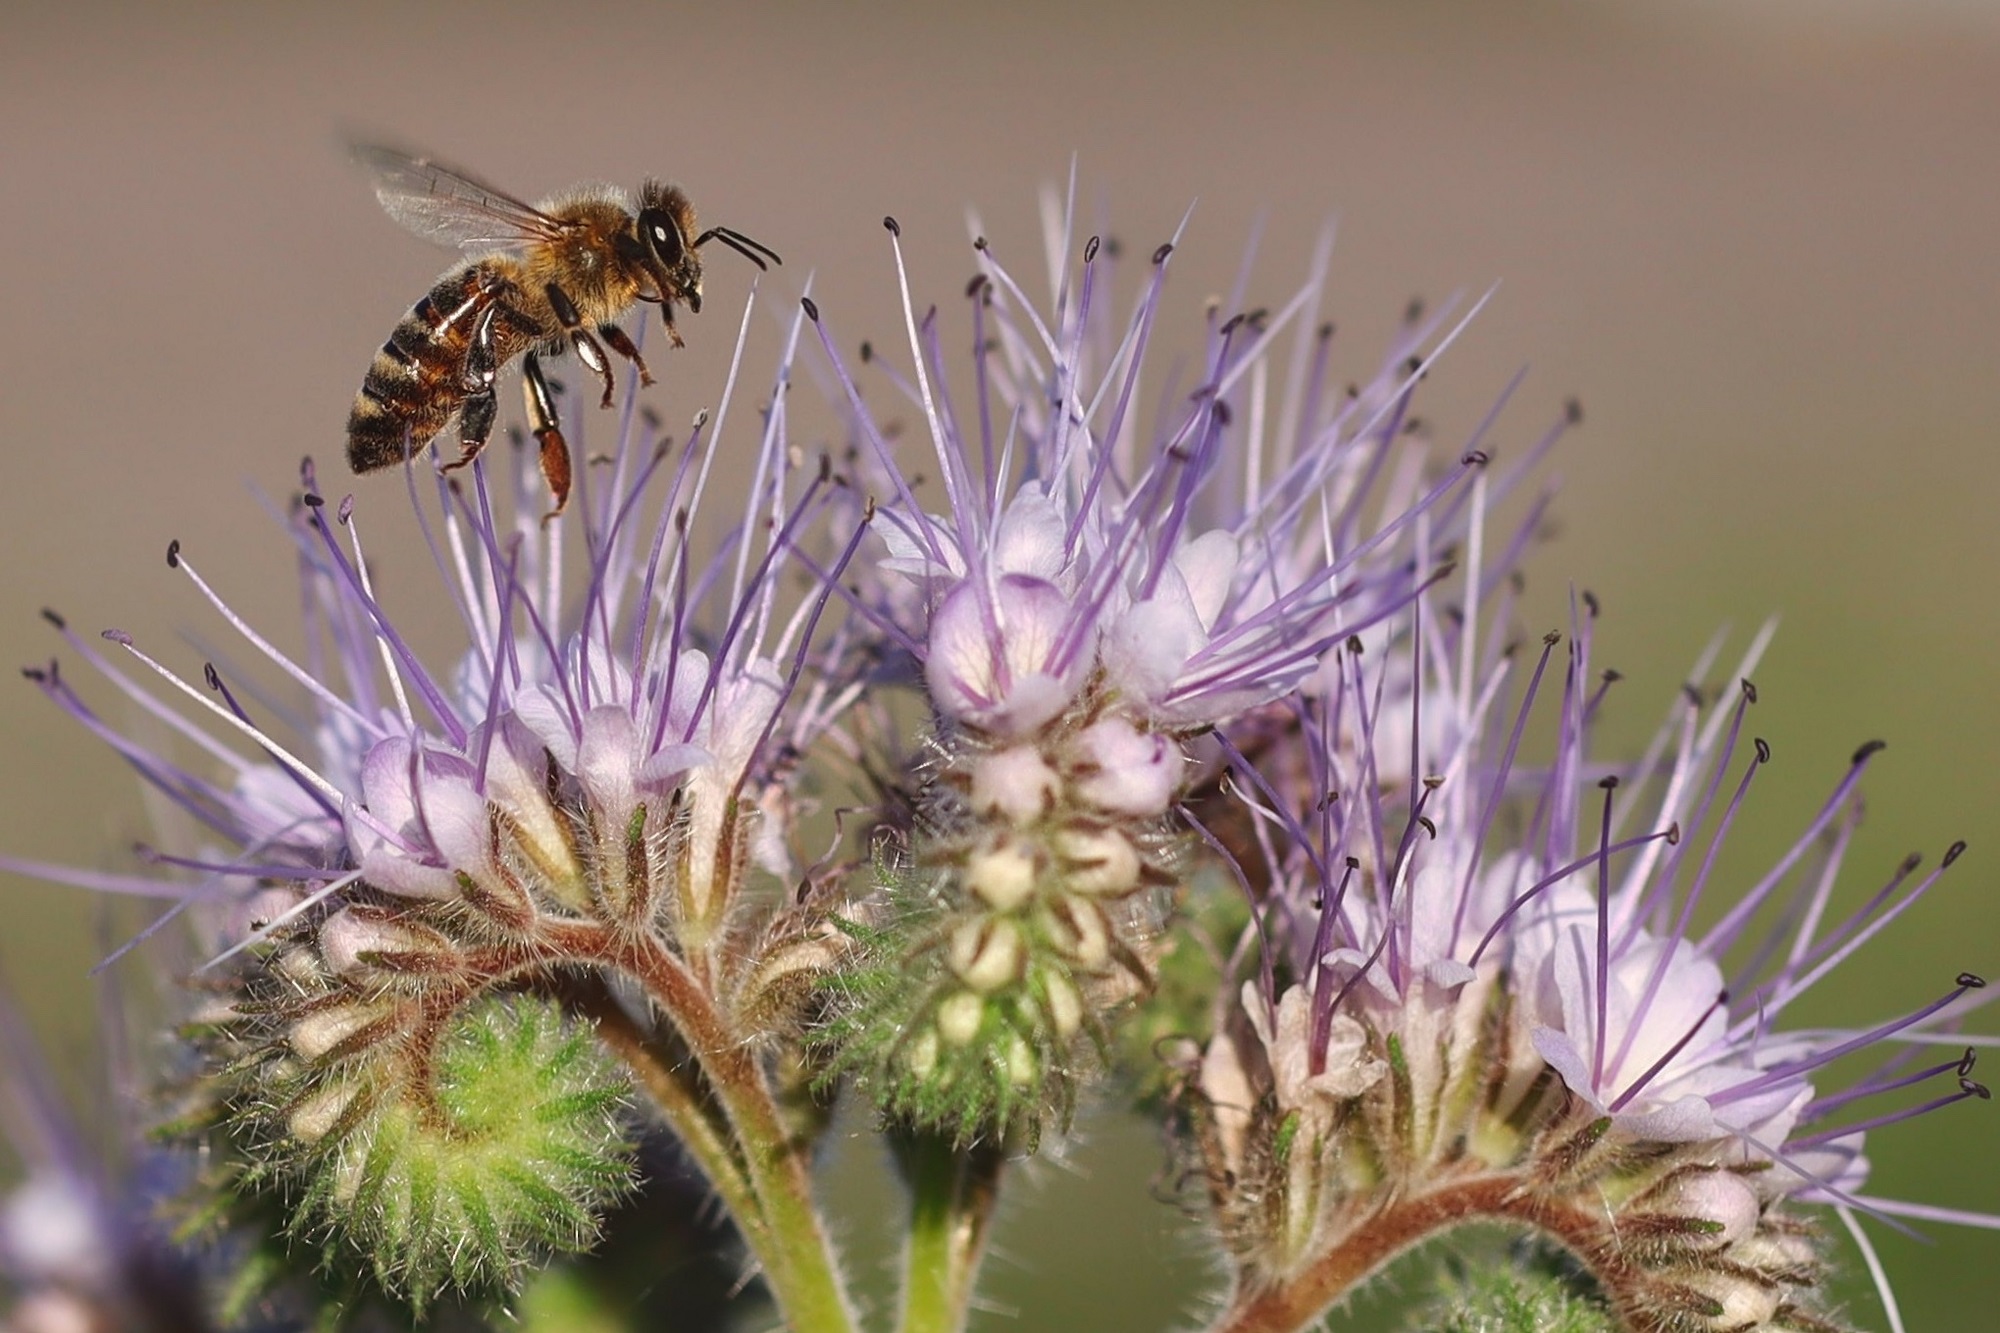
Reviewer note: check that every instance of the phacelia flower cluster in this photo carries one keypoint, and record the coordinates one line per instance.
(919, 761)
(1490, 989)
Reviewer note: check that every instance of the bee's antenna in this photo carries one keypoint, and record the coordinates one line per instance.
(741, 244)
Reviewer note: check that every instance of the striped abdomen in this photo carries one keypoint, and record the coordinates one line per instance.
(417, 380)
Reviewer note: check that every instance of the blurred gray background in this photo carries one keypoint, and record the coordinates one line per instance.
(1761, 243)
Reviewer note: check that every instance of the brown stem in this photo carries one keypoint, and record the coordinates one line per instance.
(1264, 1304)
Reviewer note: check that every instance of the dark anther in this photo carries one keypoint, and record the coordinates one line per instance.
(1551, 639)
(54, 619)
(1972, 981)
(895, 228)
(346, 509)
(211, 675)
(825, 467)
(867, 351)
(1229, 325)
(1868, 749)
(1612, 675)
(1763, 749)
(313, 500)
(35, 674)
(1160, 255)
(1113, 247)
(174, 554)
(1429, 827)
(1590, 603)
(976, 286)
(700, 419)
(1608, 783)
(1432, 781)
(1749, 690)
(1354, 863)
(1967, 1061)
(979, 242)
(650, 416)
(117, 636)
(811, 309)
(1978, 1090)
(1476, 458)
(1692, 693)
(1674, 834)
(1090, 249)
(1220, 409)
(1258, 318)
(1415, 426)
(1573, 411)
(1354, 644)
(1414, 311)
(1332, 798)
(1910, 863)
(1952, 853)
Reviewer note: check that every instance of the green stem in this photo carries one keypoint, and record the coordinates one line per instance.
(779, 1218)
(953, 1193)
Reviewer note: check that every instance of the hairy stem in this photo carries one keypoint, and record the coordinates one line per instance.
(1268, 1303)
(953, 1192)
(780, 1219)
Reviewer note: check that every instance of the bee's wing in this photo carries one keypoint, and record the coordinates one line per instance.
(443, 204)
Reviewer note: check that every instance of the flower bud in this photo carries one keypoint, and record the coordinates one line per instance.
(986, 954)
(959, 1017)
(1002, 873)
(1097, 861)
(1015, 783)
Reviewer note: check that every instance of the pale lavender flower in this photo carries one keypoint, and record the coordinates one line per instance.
(659, 673)
(1454, 933)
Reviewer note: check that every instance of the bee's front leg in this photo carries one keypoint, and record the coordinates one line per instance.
(542, 419)
(588, 349)
(626, 348)
(482, 366)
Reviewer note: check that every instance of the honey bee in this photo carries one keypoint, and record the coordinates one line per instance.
(538, 280)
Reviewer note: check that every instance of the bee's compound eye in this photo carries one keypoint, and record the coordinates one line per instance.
(663, 236)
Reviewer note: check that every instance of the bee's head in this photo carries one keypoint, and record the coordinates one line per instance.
(664, 246)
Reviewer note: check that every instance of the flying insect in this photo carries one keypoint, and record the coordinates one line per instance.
(538, 280)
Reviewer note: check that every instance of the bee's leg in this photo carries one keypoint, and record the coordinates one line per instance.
(667, 318)
(626, 348)
(588, 349)
(542, 419)
(475, 418)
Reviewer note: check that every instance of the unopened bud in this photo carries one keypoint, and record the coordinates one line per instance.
(986, 954)
(324, 1029)
(1065, 1006)
(921, 1056)
(1098, 861)
(1015, 783)
(1003, 873)
(1079, 929)
(959, 1017)
(347, 935)
(1746, 1301)
(314, 1118)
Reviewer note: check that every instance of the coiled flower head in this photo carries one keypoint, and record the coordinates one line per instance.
(1485, 994)
(1098, 592)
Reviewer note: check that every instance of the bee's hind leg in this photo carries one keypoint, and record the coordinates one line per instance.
(542, 420)
(581, 340)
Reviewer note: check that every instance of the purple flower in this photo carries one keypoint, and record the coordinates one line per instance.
(658, 681)
(1480, 966)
